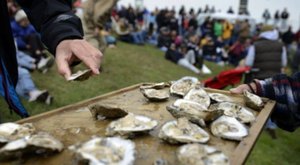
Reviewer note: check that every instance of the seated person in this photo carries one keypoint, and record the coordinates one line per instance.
(209, 51)
(164, 39)
(109, 39)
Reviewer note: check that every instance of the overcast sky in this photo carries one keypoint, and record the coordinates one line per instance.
(256, 7)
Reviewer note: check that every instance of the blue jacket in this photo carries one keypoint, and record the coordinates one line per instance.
(20, 33)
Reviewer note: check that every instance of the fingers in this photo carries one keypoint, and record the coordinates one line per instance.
(239, 90)
(63, 66)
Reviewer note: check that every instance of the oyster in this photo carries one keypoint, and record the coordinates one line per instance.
(109, 111)
(41, 143)
(181, 87)
(218, 97)
(236, 111)
(13, 131)
(161, 85)
(182, 131)
(80, 75)
(229, 128)
(194, 112)
(131, 125)
(156, 95)
(253, 101)
(199, 95)
(105, 151)
(199, 154)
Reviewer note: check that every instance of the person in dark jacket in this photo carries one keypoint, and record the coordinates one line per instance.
(61, 32)
(285, 91)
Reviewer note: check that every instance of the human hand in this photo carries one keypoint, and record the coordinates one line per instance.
(241, 88)
(72, 50)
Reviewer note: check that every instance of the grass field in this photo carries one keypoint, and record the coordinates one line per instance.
(128, 65)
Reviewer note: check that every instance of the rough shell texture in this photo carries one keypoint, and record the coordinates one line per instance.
(109, 111)
(80, 75)
(182, 131)
(161, 85)
(198, 95)
(155, 94)
(13, 131)
(198, 154)
(131, 125)
(234, 110)
(105, 151)
(218, 97)
(193, 111)
(228, 128)
(41, 143)
(182, 87)
(253, 101)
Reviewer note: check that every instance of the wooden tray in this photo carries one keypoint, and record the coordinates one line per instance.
(73, 124)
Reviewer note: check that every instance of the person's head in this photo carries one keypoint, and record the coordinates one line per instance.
(183, 48)
(172, 46)
(21, 18)
(173, 33)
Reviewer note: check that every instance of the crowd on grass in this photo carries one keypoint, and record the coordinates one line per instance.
(187, 37)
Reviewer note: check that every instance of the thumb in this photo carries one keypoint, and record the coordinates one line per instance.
(63, 67)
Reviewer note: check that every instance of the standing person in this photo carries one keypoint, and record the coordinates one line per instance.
(285, 91)
(268, 56)
(96, 13)
(60, 31)
(276, 18)
(284, 17)
(227, 32)
(266, 16)
(244, 32)
(288, 38)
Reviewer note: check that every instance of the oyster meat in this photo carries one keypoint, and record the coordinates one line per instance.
(155, 94)
(199, 154)
(236, 111)
(41, 143)
(253, 101)
(218, 97)
(131, 125)
(105, 151)
(161, 85)
(182, 87)
(194, 112)
(13, 131)
(198, 95)
(109, 111)
(182, 131)
(228, 128)
(81, 75)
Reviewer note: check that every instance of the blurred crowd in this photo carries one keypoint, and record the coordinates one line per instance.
(188, 38)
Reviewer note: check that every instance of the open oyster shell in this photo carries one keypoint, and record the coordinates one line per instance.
(131, 125)
(105, 151)
(161, 85)
(229, 128)
(81, 75)
(182, 87)
(109, 111)
(13, 131)
(253, 101)
(198, 95)
(41, 143)
(199, 154)
(182, 131)
(155, 94)
(218, 97)
(194, 112)
(234, 110)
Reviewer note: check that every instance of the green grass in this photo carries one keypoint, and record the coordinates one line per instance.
(130, 64)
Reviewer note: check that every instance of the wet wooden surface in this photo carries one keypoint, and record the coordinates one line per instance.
(74, 124)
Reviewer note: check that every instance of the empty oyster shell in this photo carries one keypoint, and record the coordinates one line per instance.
(109, 111)
(155, 95)
(218, 97)
(182, 87)
(199, 154)
(13, 131)
(161, 85)
(236, 111)
(228, 128)
(194, 112)
(131, 125)
(198, 95)
(182, 131)
(80, 75)
(105, 151)
(41, 143)
(253, 101)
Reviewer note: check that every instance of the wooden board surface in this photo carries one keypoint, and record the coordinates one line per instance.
(73, 124)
